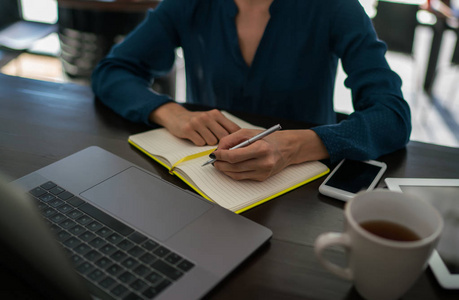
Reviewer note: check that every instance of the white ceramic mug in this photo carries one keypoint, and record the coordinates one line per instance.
(382, 268)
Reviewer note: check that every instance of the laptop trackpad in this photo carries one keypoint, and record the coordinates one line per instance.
(151, 205)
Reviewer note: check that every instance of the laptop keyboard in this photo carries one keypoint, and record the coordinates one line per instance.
(111, 255)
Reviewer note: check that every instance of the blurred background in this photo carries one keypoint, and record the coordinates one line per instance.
(62, 41)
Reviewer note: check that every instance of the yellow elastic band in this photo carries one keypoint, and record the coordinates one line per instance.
(190, 157)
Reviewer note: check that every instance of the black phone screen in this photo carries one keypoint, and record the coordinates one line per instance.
(354, 176)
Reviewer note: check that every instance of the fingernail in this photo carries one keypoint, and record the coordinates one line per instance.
(212, 155)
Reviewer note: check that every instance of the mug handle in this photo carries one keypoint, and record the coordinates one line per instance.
(333, 239)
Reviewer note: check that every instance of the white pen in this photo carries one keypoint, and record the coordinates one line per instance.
(248, 142)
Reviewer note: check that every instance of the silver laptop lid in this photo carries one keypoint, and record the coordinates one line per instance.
(213, 239)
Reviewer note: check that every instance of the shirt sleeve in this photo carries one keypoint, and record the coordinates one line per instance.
(123, 79)
(381, 122)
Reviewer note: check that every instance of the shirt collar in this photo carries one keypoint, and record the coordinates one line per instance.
(232, 10)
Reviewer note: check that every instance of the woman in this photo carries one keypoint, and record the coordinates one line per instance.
(271, 57)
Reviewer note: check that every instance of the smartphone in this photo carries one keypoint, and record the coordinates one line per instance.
(352, 176)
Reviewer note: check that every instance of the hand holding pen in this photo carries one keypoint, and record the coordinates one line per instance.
(247, 142)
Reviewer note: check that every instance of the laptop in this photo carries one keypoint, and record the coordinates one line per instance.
(113, 230)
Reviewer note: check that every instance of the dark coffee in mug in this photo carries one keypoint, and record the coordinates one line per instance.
(390, 230)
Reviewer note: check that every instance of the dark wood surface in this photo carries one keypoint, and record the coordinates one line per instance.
(42, 122)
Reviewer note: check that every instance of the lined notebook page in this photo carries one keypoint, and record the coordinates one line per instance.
(235, 195)
(240, 122)
(231, 194)
(160, 143)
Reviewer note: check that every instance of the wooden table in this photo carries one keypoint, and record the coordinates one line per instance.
(42, 122)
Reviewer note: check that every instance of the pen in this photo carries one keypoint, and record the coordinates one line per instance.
(248, 142)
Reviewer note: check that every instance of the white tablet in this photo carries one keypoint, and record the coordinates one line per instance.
(443, 194)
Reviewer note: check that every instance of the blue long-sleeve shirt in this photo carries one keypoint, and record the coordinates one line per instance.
(292, 74)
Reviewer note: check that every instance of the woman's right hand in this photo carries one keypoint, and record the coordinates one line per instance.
(200, 127)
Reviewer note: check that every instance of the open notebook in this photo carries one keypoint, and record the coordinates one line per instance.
(183, 159)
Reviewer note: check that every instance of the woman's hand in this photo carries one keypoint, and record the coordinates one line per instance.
(200, 127)
(269, 155)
